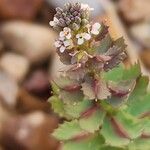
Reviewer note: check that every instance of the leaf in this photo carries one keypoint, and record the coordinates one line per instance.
(120, 73)
(71, 97)
(92, 119)
(68, 130)
(130, 124)
(55, 88)
(132, 73)
(76, 110)
(117, 56)
(140, 144)
(92, 143)
(139, 91)
(65, 58)
(140, 107)
(103, 32)
(105, 44)
(64, 82)
(57, 105)
(146, 131)
(95, 90)
(76, 72)
(115, 74)
(110, 135)
(120, 92)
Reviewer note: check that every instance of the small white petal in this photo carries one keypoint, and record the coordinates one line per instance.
(96, 25)
(66, 43)
(87, 36)
(80, 41)
(61, 38)
(61, 34)
(66, 29)
(86, 7)
(78, 35)
(68, 36)
(52, 23)
(56, 20)
(62, 49)
(95, 32)
(57, 44)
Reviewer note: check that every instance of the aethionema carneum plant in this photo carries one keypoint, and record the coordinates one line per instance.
(105, 105)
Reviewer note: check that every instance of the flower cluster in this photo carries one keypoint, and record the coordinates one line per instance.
(67, 38)
(78, 42)
(73, 16)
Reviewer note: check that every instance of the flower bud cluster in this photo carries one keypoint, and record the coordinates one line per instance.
(73, 16)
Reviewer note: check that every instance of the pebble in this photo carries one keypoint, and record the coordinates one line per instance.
(20, 9)
(15, 65)
(36, 42)
(8, 90)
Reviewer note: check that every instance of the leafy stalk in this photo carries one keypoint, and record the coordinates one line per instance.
(106, 106)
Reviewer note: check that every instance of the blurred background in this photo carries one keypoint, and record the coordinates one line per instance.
(28, 62)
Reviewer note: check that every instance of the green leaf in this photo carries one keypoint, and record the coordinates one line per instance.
(71, 97)
(105, 44)
(64, 81)
(91, 143)
(78, 108)
(68, 130)
(110, 135)
(95, 90)
(120, 92)
(55, 88)
(139, 91)
(120, 73)
(140, 144)
(115, 74)
(92, 120)
(147, 127)
(132, 73)
(57, 105)
(130, 124)
(139, 107)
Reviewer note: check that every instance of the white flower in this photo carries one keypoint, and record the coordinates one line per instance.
(82, 37)
(63, 44)
(96, 28)
(54, 22)
(86, 7)
(66, 33)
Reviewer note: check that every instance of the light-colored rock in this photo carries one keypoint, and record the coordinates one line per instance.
(36, 42)
(8, 90)
(30, 132)
(4, 115)
(15, 65)
(141, 32)
(20, 9)
(135, 10)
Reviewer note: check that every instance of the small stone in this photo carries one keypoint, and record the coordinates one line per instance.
(28, 103)
(145, 56)
(29, 132)
(38, 83)
(19, 9)
(15, 65)
(8, 90)
(34, 41)
(141, 33)
(135, 10)
(4, 115)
